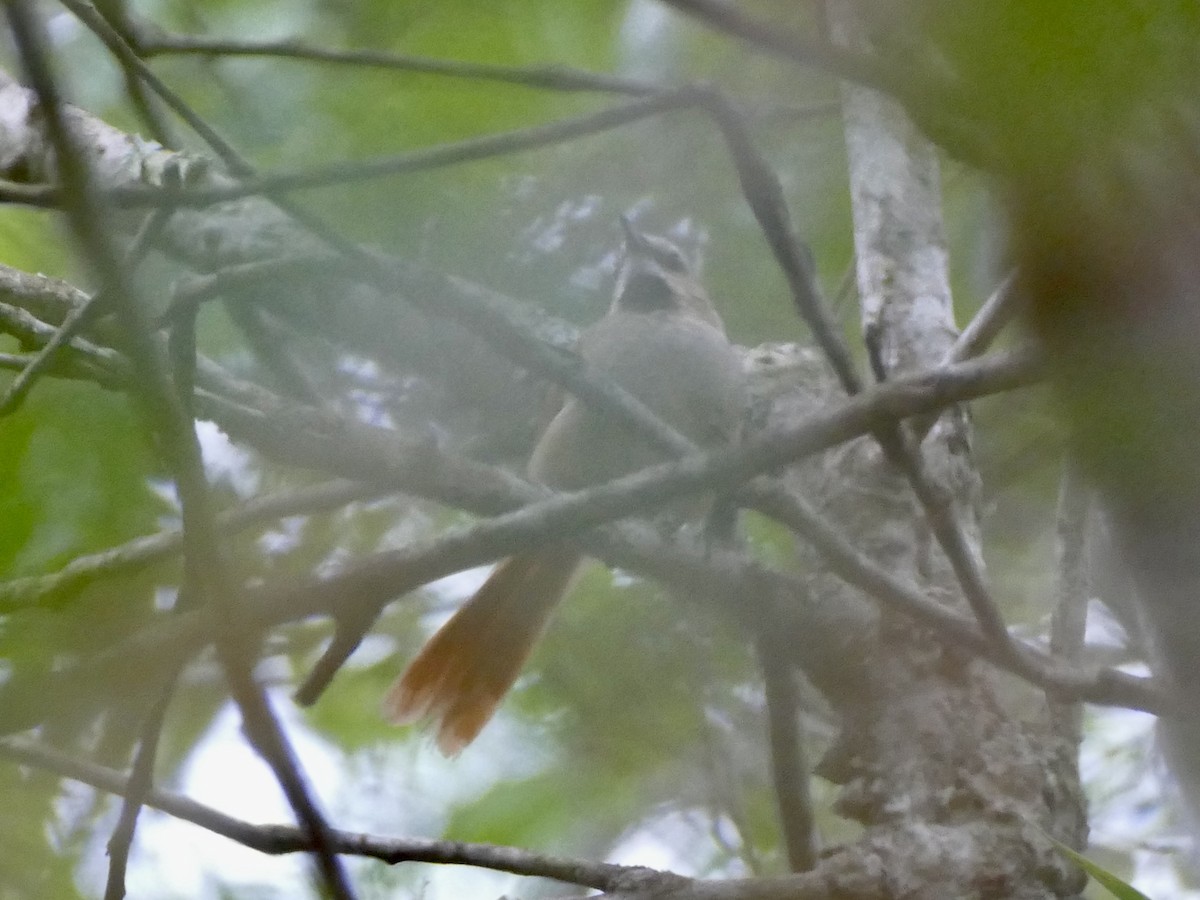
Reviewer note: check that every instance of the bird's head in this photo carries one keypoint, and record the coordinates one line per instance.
(656, 276)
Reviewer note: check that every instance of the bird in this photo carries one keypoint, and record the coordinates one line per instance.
(664, 342)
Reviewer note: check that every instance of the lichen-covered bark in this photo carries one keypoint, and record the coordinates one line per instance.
(950, 783)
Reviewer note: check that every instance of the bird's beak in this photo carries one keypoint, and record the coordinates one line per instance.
(635, 241)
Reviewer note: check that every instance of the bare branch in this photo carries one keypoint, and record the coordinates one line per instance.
(790, 769)
(850, 872)
(355, 451)
(87, 14)
(139, 785)
(765, 197)
(419, 469)
(997, 311)
(46, 196)
(552, 77)
(425, 159)
(78, 319)
(728, 19)
(282, 839)
(204, 553)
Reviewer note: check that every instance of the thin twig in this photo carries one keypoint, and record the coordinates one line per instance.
(997, 311)
(137, 789)
(263, 337)
(276, 358)
(438, 156)
(846, 288)
(283, 839)
(555, 78)
(80, 317)
(71, 368)
(21, 323)
(378, 579)
(133, 66)
(853, 567)
(729, 19)
(116, 12)
(790, 770)
(902, 396)
(193, 289)
(765, 196)
(937, 503)
(129, 61)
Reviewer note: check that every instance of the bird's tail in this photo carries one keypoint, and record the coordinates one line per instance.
(463, 671)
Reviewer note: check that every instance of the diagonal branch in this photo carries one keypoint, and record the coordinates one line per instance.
(764, 194)
(421, 470)
(282, 839)
(450, 154)
(552, 77)
(128, 60)
(203, 547)
(467, 304)
(1001, 306)
(311, 439)
(78, 320)
(849, 872)
(728, 19)
(139, 785)
(790, 769)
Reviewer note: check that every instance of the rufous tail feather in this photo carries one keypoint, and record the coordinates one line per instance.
(463, 671)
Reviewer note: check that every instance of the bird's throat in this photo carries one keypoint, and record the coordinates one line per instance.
(647, 292)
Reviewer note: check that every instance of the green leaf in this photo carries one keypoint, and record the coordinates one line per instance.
(76, 465)
(1118, 888)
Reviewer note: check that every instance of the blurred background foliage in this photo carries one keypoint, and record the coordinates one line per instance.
(637, 731)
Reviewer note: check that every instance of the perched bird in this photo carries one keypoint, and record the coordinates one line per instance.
(663, 341)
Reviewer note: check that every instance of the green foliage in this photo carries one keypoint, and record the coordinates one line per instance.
(640, 705)
(29, 241)
(1114, 885)
(1106, 62)
(76, 463)
(33, 865)
(531, 812)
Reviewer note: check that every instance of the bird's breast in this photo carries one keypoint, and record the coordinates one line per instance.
(683, 369)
